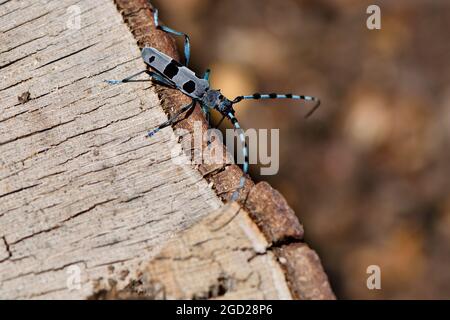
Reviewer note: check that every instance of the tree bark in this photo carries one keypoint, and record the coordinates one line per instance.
(91, 208)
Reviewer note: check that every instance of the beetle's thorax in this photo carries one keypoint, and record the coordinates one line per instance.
(213, 99)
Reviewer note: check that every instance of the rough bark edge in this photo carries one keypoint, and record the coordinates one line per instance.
(266, 206)
(304, 273)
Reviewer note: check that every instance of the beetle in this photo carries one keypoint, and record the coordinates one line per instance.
(170, 73)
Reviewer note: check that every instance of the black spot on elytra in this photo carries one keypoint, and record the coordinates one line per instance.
(189, 86)
(179, 65)
(256, 96)
(171, 70)
(152, 58)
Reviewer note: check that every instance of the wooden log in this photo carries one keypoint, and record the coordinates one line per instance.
(223, 256)
(91, 208)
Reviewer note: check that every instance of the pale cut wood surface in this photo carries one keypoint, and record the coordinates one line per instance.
(224, 256)
(79, 182)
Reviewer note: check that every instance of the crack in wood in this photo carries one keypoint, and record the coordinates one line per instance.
(61, 223)
(35, 132)
(7, 248)
(22, 44)
(25, 22)
(17, 9)
(66, 56)
(16, 84)
(19, 190)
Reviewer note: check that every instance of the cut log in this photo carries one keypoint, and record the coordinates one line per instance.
(223, 256)
(90, 207)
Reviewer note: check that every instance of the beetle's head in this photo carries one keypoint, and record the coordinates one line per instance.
(214, 99)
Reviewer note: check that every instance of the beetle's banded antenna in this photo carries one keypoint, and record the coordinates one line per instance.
(257, 96)
(241, 135)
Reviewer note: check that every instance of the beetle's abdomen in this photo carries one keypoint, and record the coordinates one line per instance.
(184, 78)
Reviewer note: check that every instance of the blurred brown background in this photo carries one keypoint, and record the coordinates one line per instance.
(369, 173)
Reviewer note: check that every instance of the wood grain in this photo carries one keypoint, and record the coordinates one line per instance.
(79, 182)
(224, 256)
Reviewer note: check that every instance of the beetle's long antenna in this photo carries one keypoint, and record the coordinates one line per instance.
(257, 96)
(238, 128)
